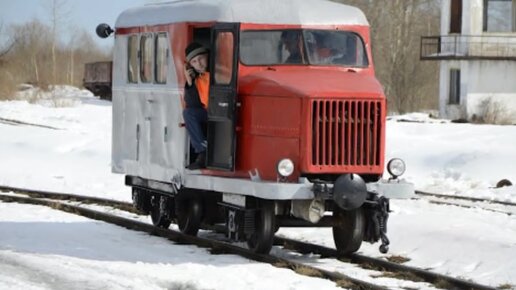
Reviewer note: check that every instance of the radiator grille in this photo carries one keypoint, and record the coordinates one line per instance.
(346, 133)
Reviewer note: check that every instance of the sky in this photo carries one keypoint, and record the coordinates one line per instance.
(83, 14)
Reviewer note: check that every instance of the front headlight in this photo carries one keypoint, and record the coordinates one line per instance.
(285, 167)
(396, 167)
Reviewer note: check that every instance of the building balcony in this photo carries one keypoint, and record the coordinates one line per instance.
(468, 47)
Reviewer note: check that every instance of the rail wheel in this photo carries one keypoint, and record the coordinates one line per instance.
(189, 214)
(160, 212)
(349, 232)
(265, 227)
(142, 200)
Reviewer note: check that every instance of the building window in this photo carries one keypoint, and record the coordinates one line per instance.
(132, 59)
(456, 16)
(161, 58)
(499, 16)
(454, 98)
(146, 58)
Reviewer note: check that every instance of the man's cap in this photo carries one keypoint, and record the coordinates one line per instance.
(193, 50)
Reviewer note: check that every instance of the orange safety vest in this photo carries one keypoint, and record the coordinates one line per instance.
(202, 82)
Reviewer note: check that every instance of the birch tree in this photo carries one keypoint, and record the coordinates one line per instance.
(58, 11)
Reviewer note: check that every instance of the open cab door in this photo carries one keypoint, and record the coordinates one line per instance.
(223, 96)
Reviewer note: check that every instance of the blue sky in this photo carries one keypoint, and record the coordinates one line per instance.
(86, 14)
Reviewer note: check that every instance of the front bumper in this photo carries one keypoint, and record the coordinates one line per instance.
(302, 190)
(392, 188)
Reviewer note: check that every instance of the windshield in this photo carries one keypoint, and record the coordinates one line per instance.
(302, 47)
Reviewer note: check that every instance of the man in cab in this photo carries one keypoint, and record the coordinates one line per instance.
(196, 97)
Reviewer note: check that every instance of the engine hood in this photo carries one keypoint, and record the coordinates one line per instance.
(310, 82)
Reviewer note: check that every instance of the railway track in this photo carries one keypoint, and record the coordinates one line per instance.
(18, 123)
(63, 202)
(504, 207)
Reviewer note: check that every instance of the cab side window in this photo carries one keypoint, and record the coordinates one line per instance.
(146, 58)
(132, 53)
(161, 58)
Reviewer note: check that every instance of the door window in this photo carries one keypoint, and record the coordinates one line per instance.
(454, 98)
(224, 46)
(456, 16)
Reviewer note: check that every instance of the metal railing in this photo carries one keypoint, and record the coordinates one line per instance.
(450, 47)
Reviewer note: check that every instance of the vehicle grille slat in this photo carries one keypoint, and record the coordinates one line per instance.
(345, 133)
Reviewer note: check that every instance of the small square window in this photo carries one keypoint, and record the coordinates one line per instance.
(499, 16)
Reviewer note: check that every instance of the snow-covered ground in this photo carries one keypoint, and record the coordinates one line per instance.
(48, 249)
(464, 159)
(44, 249)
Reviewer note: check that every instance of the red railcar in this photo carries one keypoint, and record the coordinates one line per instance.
(296, 121)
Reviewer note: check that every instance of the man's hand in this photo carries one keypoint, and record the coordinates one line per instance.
(189, 73)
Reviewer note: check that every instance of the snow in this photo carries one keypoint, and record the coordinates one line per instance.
(46, 249)
(41, 248)
(451, 158)
(74, 158)
(470, 243)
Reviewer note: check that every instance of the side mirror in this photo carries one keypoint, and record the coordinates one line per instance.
(104, 31)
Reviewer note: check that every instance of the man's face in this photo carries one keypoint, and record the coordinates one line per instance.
(291, 46)
(291, 42)
(200, 63)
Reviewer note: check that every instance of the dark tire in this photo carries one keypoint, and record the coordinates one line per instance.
(189, 215)
(142, 200)
(348, 235)
(160, 212)
(265, 227)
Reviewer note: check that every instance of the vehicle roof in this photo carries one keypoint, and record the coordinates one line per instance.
(289, 12)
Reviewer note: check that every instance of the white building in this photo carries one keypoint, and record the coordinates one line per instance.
(477, 52)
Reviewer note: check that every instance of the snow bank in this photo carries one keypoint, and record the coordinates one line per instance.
(55, 96)
(445, 157)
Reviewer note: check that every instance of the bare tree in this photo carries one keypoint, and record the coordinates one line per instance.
(396, 27)
(6, 46)
(31, 58)
(74, 38)
(33, 40)
(82, 49)
(58, 10)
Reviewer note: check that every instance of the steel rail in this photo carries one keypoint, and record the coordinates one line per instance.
(298, 246)
(475, 199)
(443, 281)
(125, 206)
(17, 122)
(469, 206)
(217, 247)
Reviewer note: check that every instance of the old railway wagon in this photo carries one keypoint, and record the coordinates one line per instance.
(97, 78)
(291, 142)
